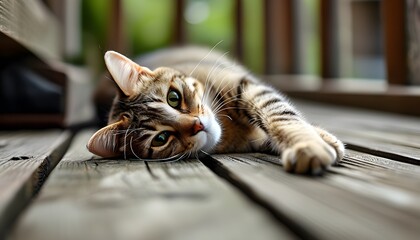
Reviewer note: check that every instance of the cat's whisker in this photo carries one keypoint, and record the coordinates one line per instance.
(228, 108)
(223, 104)
(125, 141)
(211, 50)
(208, 89)
(234, 98)
(225, 92)
(229, 100)
(183, 156)
(204, 152)
(211, 74)
(225, 115)
(218, 90)
(132, 150)
(215, 66)
(217, 101)
(226, 102)
(207, 82)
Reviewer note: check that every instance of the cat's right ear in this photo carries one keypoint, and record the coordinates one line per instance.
(105, 142)
(127, 74)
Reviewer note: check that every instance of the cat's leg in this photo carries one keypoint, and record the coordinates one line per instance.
(302, 148)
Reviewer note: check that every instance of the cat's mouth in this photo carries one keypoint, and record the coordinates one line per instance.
(210, 135)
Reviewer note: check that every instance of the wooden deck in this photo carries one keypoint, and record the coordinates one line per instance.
(374, 193)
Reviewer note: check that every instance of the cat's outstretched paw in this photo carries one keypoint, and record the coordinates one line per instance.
(333, 142)
(311, 157)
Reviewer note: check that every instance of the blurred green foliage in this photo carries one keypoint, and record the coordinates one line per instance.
(149, 25)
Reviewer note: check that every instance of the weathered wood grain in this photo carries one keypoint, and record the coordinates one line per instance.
(31, 24)
(387, 135)
(89, 198)
(344, 204)
(26, 158)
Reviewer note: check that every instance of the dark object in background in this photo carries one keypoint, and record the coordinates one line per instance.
(33, 95)
(24, 91)
(37, 89)
(103, 97)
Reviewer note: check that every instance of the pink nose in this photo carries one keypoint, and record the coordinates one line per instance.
(197, 127)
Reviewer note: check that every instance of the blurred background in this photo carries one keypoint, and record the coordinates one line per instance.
(363, 45)
(148, 25)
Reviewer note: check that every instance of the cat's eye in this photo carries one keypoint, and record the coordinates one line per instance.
(161, 139)
(174, 98)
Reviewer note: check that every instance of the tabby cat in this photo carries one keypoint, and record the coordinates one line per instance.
(202, 102)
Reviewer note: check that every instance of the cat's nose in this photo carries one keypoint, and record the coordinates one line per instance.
(197, 127)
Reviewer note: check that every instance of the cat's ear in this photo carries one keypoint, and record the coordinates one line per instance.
(127, 74)
(105, 142)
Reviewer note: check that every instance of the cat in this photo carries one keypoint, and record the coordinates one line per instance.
(189, 100)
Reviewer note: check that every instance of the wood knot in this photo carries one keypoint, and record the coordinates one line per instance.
(17, 158)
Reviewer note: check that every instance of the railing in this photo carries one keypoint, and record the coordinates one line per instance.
(281, 56)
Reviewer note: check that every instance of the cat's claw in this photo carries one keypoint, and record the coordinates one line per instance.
(311, 157)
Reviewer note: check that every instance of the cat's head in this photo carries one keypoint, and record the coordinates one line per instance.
(157, 114)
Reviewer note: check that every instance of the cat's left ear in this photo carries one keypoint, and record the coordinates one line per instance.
(127, 74)
(105, 142)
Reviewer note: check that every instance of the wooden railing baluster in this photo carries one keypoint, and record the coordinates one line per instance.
(179, 34)
(328, 58)
(393, 12)
(279, 37)
(238, 20)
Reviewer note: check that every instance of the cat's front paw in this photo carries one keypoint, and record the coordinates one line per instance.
(308, 157)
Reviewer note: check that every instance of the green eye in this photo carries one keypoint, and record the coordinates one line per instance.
(174, 98)
(161, 139)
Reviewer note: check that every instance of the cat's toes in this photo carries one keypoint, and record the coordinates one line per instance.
(339, 149)
(333, 142)
(309, 157)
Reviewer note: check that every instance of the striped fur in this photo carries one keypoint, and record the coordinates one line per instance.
(224, 109)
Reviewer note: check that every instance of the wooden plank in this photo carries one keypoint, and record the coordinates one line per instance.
(26, 158)
(380, 148)
(90, 198)
(381, 134)
(332, 207)
(382, 180)
(402, 175)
